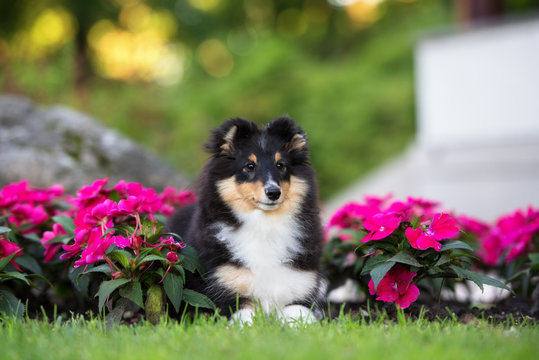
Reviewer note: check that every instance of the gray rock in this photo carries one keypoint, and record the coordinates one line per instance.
(58, 145)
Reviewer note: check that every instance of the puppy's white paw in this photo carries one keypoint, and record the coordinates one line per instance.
(297, 314)
(243, 317)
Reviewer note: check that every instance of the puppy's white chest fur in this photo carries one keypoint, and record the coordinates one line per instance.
(266, 244)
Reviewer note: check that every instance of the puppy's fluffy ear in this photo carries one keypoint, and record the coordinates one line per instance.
(224, 140)
(294, 137)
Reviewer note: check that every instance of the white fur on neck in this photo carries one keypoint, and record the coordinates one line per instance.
(266, 245)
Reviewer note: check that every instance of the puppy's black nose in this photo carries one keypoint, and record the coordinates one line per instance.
(273, 193)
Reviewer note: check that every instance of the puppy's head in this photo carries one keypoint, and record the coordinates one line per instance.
(260, 168)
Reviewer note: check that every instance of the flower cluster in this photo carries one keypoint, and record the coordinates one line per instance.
(382, 220)
(398, 243)
(98, 215)
(113, 234)
(509, 238)
(27, 209)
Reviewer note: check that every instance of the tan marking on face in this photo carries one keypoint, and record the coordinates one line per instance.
(228, 146)
(252, 158)
(278, 157)
(241, 197)
(292, 193)
(235, 278)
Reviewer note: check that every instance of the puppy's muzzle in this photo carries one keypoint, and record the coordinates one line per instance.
(273, 192)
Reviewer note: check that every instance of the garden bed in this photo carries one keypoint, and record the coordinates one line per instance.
(514, 310)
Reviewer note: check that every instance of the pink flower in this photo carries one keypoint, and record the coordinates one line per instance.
(52, 249)
(96, 247)
(170, 244)
(172, 257)
(130, 206)
(121, 241)
(511, 235)
(396, 286)
(472, 226)
(27, 214)
(442, 227)
(92, 194)
(171, 199)
(7, 248)
(380, 226)
(126, 189)
(99, 213)
(12, 193)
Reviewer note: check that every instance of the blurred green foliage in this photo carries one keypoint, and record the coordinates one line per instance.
(349, 85)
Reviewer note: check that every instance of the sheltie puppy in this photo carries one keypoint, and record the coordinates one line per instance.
(256, 224)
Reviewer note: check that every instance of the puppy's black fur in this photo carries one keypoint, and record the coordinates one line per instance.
(256, 223)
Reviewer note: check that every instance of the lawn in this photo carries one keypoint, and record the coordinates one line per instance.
(343, 338)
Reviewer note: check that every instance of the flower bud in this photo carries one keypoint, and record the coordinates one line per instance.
(172, 257)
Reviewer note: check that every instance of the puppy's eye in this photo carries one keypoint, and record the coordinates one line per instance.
(250, 167)
(280, 166)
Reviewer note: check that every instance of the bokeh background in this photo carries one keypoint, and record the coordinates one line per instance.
(166, 72)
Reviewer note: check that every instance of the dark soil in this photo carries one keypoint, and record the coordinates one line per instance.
(511, 311)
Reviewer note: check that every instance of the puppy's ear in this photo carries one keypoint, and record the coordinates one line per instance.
(225, 139)
(294, 137)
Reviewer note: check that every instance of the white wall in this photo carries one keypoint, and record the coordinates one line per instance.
(477, 146)
(479, 86)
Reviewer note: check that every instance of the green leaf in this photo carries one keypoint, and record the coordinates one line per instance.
(455, 245)
(180, 269)
(107, 287)
(7, 259)
(66, 222)
(173, 285)
(404, 257)
(103, 268)
(10, 305)
(14, 275)
(373, 261)
(30, 263)
(191, 261)
(444, 259)
(469, 275)
(416, 221)
(121, 256)
(161, 218)
(197, 299)
(133, 292)
(493, 282)
(534, 258)
(152, 257)
(378, 273)
(4, 229)
(32, 237)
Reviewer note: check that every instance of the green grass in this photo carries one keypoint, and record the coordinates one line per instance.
(344, 338)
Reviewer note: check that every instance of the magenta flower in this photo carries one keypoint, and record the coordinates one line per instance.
(171, 199)
(96, 247)
(512, 235)
(52, 249)
(121, 241)
(28, 214)
(92, 194)
(172, 257)
(396, 286)
(99, 213)
(442, 227)
(380, 226)
(126, 189)
(7, 248)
